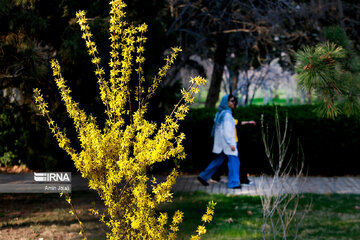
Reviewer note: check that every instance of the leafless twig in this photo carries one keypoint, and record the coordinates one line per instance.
(281, 194)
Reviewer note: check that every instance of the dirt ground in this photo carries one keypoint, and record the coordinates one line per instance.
(15, 169)
(47, 217)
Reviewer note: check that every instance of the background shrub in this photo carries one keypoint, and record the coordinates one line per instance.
(329, 146)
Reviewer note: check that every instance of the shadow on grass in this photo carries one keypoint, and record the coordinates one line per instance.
(47, 223)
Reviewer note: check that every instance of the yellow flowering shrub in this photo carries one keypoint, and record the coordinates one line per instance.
(207, 217)
(115, 159)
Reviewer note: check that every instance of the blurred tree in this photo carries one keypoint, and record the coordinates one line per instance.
(253, 32)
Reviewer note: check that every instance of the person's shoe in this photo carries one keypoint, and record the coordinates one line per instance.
(236, 187)
(202, 181)
(250, 183)
(215, 180)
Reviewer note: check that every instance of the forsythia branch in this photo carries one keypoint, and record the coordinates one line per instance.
(115, 159)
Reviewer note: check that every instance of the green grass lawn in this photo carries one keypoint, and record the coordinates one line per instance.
(240, 217)
(34, 216)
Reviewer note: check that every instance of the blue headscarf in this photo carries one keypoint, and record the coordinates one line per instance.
(222, 110)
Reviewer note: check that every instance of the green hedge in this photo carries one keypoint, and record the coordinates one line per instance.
(330, 147)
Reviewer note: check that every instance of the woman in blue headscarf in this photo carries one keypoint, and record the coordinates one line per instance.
(224, 144)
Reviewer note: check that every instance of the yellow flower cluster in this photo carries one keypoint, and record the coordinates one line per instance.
(116, 159)
(207, 217)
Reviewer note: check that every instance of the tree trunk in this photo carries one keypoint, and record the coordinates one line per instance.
(219, 63)
(341, 14)
(308, 96)
(234, 79)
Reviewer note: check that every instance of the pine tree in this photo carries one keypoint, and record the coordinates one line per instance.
(331, 69)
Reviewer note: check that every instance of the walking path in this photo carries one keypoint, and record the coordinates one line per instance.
(270, 186)
(262, 185)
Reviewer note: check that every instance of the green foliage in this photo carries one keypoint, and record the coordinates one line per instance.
(336, 34)
(320, 139)
(7, 159)
(20, 135)
(318, 68)
(13, 136)
(331, 69)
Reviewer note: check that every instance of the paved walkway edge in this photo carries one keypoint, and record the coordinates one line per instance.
(264, 185)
